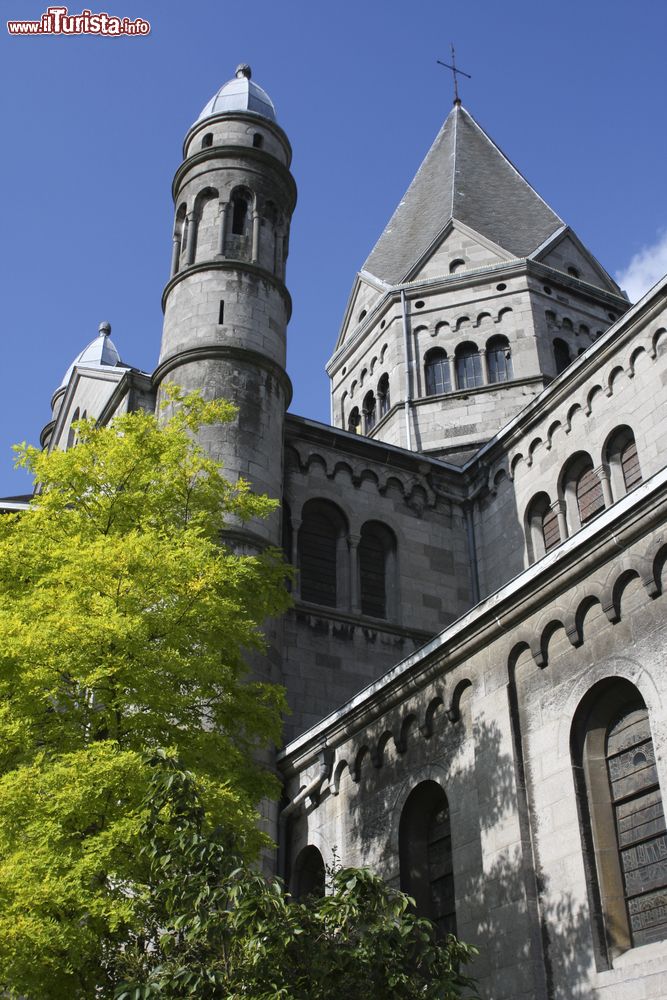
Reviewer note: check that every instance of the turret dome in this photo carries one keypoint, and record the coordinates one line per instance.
(240, 94)
(99, 352)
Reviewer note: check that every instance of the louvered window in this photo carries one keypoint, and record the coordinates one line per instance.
(632, 474)
(640, 824)
(550, 530)
(589, 496)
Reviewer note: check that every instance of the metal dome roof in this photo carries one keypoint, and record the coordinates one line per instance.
(240, 94)
(99, 352)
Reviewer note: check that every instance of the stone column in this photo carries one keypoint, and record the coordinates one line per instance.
(355, 597)
(559, 507)
(175, 254)
(255, 237)
(192, 237)
(222, 231)
(294, 556)
(603, 475)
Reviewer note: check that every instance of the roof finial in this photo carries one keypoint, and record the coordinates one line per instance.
(457, 99)
(243, 70)
(104, 329)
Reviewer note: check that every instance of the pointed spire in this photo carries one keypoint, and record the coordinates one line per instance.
(464, 176)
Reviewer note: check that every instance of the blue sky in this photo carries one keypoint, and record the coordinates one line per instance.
(574, 93)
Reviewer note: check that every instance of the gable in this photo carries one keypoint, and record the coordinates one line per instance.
(566, 253)
(459, 249)
(363, 297)
(87, 394)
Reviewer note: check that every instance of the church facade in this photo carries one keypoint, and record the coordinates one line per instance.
(475, 655)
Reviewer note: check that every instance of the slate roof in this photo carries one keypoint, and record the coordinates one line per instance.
(464, 176)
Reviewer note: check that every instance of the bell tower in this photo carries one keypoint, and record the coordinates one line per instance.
(226, 305)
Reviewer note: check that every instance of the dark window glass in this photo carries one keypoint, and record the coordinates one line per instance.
(561, 355)
(436, 369)
(239, 216)
(372, 574)
(318, 542)
(207, 140)
(383, 395)
(425, 852)
(499, 361)
(354, 421)
(370, 413)
(468, 368)
(257, 140)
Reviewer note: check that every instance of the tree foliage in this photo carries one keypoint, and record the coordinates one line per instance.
(123, 623)
(214, 928)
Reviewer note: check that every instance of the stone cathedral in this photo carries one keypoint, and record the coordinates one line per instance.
(474, 657)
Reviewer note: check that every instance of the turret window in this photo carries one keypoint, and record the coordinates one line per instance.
(239, 215)
(221, 312)
(436, 372)
(207, 140)
(258, 140)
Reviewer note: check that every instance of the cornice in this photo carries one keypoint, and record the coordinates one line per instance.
(224, 352)
(230, 264)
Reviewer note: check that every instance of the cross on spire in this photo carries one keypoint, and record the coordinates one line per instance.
(455, 70)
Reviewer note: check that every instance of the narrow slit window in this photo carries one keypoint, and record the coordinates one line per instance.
(221, 313)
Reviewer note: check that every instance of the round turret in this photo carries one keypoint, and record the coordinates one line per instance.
(226, 306)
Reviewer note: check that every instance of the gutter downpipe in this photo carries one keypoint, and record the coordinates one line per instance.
(408, 373)
(311, 790)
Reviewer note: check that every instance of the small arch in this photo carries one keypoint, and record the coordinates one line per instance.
(552, 430)
(584, 330)
(460, 322)
(258, 140)
(573, 271)
(591, 397)
(567, 324)
(504, 312)
(658, 341)
(620, 456)
(454, 710)
(482, 316)
(636, 354)
(550, 316)
(207, 140)
(456, 265)
(581, 490)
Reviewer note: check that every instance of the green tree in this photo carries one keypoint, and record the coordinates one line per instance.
(123, 623)
(214, 928)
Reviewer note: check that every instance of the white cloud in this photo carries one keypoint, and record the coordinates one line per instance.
(644, 269)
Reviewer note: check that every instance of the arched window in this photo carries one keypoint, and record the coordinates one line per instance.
(561, 355)
(436, 372)
(623, 462)
(240, 203)
(499, 360)
(322, 557)
(581, 490)
(207, 140)
(309, 874)
(425, 855)
(258, 140)
(370, 415)
(383, 395)
(542, 530)
(377, 571)
(354, 421)
(468, 366)
(456, 265)
(621, 816)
